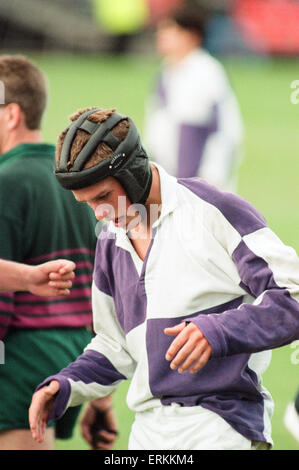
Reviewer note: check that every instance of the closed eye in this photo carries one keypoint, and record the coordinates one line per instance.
(102, 197)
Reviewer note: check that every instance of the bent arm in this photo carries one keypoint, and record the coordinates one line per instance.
(91, 376)
(104, 364)
(269, 272)
(52, 278)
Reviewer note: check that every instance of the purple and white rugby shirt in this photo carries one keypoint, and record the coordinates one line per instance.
(213, 261)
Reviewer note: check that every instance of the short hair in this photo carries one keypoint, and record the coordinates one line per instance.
(189, 16)
(102, 151)
(24, 84)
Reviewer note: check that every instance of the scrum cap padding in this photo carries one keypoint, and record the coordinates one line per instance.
(128, 164)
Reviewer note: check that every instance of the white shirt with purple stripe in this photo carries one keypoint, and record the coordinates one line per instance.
(193, 124)
(214, 261)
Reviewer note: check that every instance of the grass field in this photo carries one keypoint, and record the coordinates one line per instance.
(268, 175)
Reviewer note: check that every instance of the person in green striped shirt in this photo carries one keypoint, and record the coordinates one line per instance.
(39, 222)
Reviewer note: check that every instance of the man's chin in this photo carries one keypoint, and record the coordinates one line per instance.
(120, 221)
(127, 223)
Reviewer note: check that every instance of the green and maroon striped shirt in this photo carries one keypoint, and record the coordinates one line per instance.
(41, 221)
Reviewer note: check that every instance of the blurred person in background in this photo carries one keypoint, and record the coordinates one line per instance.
(193, 125)
(291, 418)
(39, 221)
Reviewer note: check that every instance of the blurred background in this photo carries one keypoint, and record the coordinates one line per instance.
(102, 53)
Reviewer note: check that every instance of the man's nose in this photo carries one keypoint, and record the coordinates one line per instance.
(101, 215)
(101, 211)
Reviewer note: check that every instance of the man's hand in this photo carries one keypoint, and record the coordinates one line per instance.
(50, 279)
(99, 408)
(40, 409)
(190, 350)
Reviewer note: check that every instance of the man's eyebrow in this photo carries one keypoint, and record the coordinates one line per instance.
(100, 194)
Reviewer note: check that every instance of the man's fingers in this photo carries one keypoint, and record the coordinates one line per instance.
(107, 440)
(179, 341)
(39, 409)
(35, 418)
(57, 276)
(85, 430)
(59, 292)
(190, 350)
(202, 360)
(34, 430)
(61, 284)
(174, 330)
(64, 292)
(52, 388)
(189, 353)
(40, 432)
(67, 267)
(177, 344)
(194, 358)
(181, 355)
(108, 436)
(59, 265)
(60, 288)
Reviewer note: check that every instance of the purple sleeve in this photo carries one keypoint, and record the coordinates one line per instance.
(91, 367)
(62, 397)
(271, 321)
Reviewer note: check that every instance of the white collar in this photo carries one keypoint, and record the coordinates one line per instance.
(168, 187)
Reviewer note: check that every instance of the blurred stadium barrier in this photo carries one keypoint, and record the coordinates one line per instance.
(49, 23)
(234, 26)
(52, 24)
(270, 26)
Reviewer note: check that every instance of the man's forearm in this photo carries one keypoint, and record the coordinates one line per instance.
(14, 276)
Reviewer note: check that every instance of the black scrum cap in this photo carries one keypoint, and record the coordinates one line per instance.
(129, 163)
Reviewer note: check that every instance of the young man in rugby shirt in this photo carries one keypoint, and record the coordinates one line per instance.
(191, 292)
(39, 222)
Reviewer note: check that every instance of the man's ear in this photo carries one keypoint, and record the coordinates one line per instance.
(14, 116)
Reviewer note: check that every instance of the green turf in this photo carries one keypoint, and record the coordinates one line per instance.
(268, 175)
